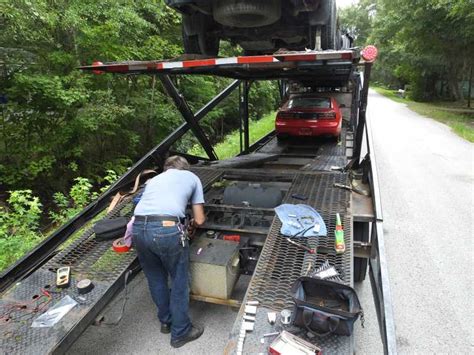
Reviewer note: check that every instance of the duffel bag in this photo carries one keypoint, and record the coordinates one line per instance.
(110, 228)
(325, 307)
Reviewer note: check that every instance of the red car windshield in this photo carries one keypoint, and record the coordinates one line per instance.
(309, 102)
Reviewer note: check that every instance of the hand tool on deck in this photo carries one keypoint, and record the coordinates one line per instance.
(309, 250)
(339, 245)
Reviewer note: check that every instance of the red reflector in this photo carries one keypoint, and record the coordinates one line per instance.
(369, 53)
(346, 56)
(97, 64)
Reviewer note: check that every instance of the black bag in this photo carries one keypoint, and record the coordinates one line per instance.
(110, 228)
(325, 307)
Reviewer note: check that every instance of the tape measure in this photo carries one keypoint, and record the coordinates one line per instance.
(119, 246)
(84, 286)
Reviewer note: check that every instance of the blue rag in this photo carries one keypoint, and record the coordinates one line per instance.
(299, 221)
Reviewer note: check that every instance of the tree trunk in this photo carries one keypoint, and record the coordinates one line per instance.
(453, 84)
(469, 89)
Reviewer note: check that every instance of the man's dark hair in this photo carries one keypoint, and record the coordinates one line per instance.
(176, 162)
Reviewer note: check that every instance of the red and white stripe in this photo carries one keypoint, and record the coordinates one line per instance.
(214, 62)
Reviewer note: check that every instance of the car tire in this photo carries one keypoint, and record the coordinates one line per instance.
(328, 31)
(197, 36)
(247, 13)
(361, 234)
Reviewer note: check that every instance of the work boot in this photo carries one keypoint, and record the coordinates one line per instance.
(195, 332)
(165, 328)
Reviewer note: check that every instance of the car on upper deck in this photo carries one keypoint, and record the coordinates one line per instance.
(308, 115)
(258, 26)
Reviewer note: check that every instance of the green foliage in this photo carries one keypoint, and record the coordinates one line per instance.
(424, 43)
(230, 146)
(427, 44)
(60, 123)
(19, 226)
(20, 220)
(80, 195)
(357, 20)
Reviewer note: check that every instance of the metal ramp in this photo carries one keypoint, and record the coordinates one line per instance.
(88, 258)
(281, 263)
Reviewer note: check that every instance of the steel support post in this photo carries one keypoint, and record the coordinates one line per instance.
(188, 116)
(362, 115)
(244, 114)
(241, 140)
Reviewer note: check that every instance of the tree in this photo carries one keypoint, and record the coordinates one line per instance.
(357, 20)
(59, 123)
(423, 42)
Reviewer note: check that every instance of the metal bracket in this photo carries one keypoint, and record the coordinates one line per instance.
(362, 249)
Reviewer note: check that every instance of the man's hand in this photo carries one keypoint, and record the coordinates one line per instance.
(191, 228)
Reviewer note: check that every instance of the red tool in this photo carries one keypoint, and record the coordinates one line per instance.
(232, 238)
(304, 247)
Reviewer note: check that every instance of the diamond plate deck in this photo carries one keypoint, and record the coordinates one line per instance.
(88, 258)
(280, 263)
(326, 162)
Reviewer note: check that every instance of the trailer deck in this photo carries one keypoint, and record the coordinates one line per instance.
(305, 167)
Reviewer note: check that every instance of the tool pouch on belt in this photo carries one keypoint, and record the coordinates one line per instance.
(110, 228)
(325, 307)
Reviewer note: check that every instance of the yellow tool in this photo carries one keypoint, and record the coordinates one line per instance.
(340, 246)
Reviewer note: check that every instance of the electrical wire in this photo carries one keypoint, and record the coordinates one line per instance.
(125, 299)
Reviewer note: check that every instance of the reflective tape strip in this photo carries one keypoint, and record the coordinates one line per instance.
(122, 68)
(138, 67)
(370, 54)
(199, 63)
(171, 65)
(232, 60)
(255, 59)
(296, 57)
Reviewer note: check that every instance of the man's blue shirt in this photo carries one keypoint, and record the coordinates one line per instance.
(169, 193)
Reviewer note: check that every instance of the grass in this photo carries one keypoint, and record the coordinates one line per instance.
(462, 123)
(230, 146)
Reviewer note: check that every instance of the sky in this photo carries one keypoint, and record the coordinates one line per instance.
(344, 3)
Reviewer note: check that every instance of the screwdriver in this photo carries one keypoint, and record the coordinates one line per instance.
(309, 250)
(340, 246)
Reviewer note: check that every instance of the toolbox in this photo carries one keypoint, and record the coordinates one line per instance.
(214, 267)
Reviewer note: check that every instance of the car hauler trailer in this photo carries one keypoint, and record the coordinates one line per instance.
(328, 175)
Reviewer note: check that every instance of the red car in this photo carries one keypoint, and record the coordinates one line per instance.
(309, 115)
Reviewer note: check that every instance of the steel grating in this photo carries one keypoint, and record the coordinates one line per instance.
(88, 258)
(281, 264)
(94, 259)
(326, 163)
(320, 191)
(17, 336)
(207, 175)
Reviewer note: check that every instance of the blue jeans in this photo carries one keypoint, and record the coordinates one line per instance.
(161, 254)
